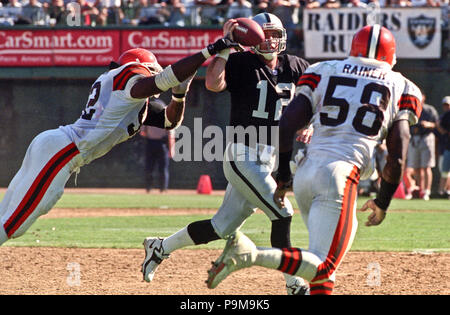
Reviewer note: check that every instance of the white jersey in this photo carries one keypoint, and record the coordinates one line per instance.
(111, 115)
(355, 101)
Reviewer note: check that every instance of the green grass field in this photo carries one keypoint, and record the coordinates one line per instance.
(410, 225)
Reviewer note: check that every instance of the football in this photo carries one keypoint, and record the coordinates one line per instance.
(248, 32)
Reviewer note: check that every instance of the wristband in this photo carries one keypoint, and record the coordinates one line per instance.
(224, 54)
(177, 98)
(284, 171)
(384, 196)
(206, 53)
(166, 79)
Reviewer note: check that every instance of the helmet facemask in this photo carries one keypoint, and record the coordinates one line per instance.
(154, 67)
(275, 34)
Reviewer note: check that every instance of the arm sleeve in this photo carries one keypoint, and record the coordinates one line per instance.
(410, 105)
(308, 83)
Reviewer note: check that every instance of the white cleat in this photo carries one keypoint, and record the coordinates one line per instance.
(239, 252)
(297, 286)
(154, 254)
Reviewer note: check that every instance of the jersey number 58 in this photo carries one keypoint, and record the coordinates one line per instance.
(359, 121)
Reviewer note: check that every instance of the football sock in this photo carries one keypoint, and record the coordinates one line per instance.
(269, 257)
(176, 241)
(305, 265)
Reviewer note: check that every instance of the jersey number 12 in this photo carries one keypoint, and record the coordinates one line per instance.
(282, 89)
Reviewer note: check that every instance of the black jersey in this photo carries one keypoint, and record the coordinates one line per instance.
(258, 93)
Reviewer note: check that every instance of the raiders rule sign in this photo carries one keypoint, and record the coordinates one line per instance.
(328, 32)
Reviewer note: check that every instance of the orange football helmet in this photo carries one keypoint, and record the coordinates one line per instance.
(143, 56)
(375, 42)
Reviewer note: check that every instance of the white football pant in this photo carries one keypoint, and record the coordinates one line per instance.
(251, 186)
(39, 184)
(326, 192)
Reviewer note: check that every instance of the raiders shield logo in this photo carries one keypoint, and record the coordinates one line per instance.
(421, 30)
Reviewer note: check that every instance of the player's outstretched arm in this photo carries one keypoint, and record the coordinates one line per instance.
(174, 74)
(377, 216)
(175, 109)
(215, 73)
(397, 143)
(296, 116)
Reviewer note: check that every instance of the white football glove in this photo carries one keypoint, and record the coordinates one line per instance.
(294, 164)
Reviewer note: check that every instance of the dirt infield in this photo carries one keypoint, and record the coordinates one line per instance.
(117, 271)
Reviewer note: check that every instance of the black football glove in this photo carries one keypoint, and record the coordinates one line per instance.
(223, 43)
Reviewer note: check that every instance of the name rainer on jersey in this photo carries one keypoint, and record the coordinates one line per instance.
(366, 72)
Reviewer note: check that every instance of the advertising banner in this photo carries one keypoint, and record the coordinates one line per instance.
(170, 45)
(68, 47)
(328, 32)
(94, 47)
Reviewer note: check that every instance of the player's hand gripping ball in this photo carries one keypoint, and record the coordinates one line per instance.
(248, 32)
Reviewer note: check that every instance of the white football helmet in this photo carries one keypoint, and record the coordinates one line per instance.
(273, 45)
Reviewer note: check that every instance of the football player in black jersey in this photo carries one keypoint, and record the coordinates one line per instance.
(261, 83)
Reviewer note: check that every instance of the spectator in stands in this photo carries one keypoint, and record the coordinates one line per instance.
(355, 4)
(192, 12)
(33, 13)
(177, 15)
(109, 12)
(159, 149)
(444, 157)
(209, 13)
(378, 3)
(240, 8)
(312, 4)
(287, 11)
(331, 4)
(130, 12)
(418, 3)
(14, 4)
(89, 13)
(421, 150)
(57, 12)
(153, 12)
(14, 9)
(399, 3)
(260, 6)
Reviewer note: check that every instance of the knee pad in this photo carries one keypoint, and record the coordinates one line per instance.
(280, 236)
(202, 232)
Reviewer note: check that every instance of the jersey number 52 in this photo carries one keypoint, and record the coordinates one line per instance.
(89, 111)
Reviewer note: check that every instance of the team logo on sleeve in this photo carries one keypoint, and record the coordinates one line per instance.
(421, 30)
